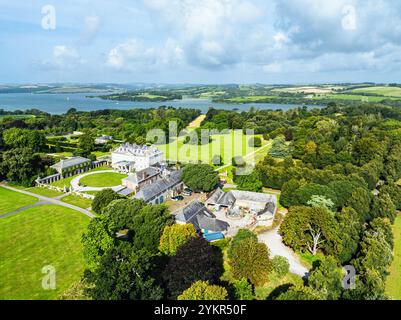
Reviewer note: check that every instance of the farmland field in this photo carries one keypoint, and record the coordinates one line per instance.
(383, 91)
(46, 235)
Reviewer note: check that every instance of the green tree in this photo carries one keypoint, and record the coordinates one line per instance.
(20, 165)
(360, 200)
(255, 142)
(125, 274)
(279, 148)
(242, 290)
(250, 260)
(249, 182)
(326, 278)
(103, 199)
(242, 234)
(202, 290)
(200, 177)
(311, 229)
(280, 266)
(97, 240)
(195, 260)
(384, 207)
(175, 236)
(87, 142)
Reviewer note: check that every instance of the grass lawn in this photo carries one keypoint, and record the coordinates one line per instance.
(393, 282)
(44, 192)
(229, 145)
(77, 201)
(40, 236)
(105, 179)
(66, 182)
(307, 259)
(12, 200)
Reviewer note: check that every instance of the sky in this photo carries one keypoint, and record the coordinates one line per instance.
(200, 41)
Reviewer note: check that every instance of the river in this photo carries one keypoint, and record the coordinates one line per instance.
(60, 103)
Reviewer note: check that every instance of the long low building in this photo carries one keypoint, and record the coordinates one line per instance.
(72, 166)
(162, 189)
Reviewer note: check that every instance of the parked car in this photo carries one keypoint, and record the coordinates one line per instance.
(187, 192)
(177, 198)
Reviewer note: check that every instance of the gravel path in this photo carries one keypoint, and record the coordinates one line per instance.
(277, 248)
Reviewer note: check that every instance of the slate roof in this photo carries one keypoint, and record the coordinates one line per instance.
(230, 197)
(159, 187)
(126, 191)
(70, 162)
(138, 177)
(201, 217)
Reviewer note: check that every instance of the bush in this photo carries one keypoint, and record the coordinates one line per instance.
(280, 266)
(255, 142)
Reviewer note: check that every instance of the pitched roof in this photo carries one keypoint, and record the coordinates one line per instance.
(201, 217)
(70, 162)
(159, 187)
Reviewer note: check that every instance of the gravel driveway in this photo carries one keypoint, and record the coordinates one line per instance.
(275, 244)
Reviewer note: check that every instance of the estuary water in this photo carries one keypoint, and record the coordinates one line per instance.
(60, 103)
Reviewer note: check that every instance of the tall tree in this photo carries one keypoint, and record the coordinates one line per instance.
(195, 260)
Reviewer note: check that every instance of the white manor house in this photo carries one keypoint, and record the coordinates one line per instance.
(132, 157)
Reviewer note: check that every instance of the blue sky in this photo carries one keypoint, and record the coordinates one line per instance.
(201, 41)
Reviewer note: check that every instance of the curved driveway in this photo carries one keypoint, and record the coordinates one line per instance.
(76, 187)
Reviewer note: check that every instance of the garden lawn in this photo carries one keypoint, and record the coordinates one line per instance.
(37, 237)
(104, 179)
(393, 282)
(44, 192)
(66, 182)
(77, 201)
(229, 145)
(12, 200)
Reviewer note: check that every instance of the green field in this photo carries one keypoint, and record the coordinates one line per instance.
(249, 99)
(383, 91)
(66, 182)
(105, 179)
(393, 282)
(351, 97)
(44, 192)
(11, 200)
(228, 145)
(35, 238)
(77, 201)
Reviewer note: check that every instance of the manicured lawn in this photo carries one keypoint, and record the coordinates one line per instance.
(229, 145)
(77, 201)
(38, 237)
(105, 179)
(44, 192)
(66, 182)
(393, 282)
(12, 200)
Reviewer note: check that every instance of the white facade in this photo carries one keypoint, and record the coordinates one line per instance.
(140, 157)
